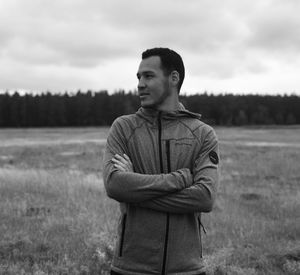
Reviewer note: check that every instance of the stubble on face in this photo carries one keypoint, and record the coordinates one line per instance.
(154, 87)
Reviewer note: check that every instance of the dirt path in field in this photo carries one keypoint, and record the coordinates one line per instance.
(32, 142)
(261, 143)
(39, 142)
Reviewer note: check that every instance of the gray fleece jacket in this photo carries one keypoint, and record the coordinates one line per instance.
(175, 160)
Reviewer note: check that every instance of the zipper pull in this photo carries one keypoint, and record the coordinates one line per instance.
(201, 225)
(203, 228)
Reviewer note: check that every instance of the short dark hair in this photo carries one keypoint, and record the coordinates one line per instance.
(170, 61)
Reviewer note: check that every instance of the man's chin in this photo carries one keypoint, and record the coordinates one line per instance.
(146, 104)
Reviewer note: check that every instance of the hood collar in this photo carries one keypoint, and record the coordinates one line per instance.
(152, 114)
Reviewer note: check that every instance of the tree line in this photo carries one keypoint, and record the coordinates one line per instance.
(101, 109)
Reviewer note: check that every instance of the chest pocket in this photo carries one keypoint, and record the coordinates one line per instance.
(183, 153)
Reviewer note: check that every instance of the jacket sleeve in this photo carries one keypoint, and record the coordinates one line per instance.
(201, 195)
(133, 187)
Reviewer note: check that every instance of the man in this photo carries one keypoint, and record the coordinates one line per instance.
(161, 165)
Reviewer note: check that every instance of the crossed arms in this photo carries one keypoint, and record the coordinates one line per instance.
(181, 191)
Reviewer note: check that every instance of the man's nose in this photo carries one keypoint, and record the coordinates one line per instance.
(141, 83)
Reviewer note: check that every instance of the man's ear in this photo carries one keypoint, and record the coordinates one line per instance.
(175, 77)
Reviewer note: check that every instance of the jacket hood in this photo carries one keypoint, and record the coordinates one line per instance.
(152, 114)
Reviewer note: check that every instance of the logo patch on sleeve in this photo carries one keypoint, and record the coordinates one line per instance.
(213, 156)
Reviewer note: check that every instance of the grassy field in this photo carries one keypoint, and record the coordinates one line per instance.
(56, 218)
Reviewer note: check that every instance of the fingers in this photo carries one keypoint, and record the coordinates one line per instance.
(117, 162)
(122, 163)
(120, 167)
(121, 159)
(126, 157)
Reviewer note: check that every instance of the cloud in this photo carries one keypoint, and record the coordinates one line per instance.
(66, 32)
(219, 40)
(108, 29)
(275, 29)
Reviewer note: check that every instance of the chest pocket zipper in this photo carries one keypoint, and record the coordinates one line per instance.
(201, 226)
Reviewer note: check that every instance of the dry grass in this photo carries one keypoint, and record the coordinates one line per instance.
(56, 222)
(56, 218)
(254, 228)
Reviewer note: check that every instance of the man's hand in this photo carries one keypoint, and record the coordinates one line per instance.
(122, 163)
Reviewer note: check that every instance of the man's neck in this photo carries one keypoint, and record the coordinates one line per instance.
(171, 105)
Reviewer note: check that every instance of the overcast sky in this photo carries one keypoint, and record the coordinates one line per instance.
(228, 46)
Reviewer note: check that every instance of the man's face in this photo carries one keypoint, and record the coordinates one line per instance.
(153, 86)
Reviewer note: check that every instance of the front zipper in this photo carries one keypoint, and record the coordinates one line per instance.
(159, 143)
(122, 235)
(162, 171)
(168, 215)
(168, 155)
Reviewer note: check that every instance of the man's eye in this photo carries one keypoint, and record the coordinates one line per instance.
(148, 75)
